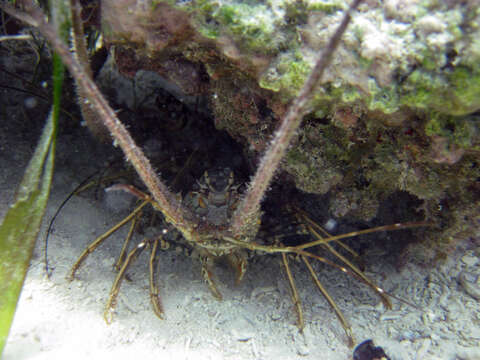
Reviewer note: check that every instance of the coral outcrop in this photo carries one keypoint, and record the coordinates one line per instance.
(397, 111)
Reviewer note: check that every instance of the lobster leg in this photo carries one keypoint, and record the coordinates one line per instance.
(296, 299)
(91, 248)
(123, 252)
(338, 312)
(154, 293)
(112, 299)
(208, 276)
(238, 261)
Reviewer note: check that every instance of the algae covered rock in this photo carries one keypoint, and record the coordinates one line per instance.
(395, 112)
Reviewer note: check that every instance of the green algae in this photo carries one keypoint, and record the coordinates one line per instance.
(317, 160)
(453, 93)
(457, 93)
(461, 131)
(288, 76)
(311, 172)
(250, 26)
(465, 85)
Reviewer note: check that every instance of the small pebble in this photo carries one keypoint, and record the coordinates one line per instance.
(423, 350)
(242, 329)
(30, 102)
(408, 335)
(474, 333)
(330, 224)
(391, 315)
(469, 284)
(469, 260)
(302, 349)
(470, 353)
(275, 315)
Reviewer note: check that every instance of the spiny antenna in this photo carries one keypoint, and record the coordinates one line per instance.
(248, 211)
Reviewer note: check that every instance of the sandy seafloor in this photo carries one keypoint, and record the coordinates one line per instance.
(57, 319)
